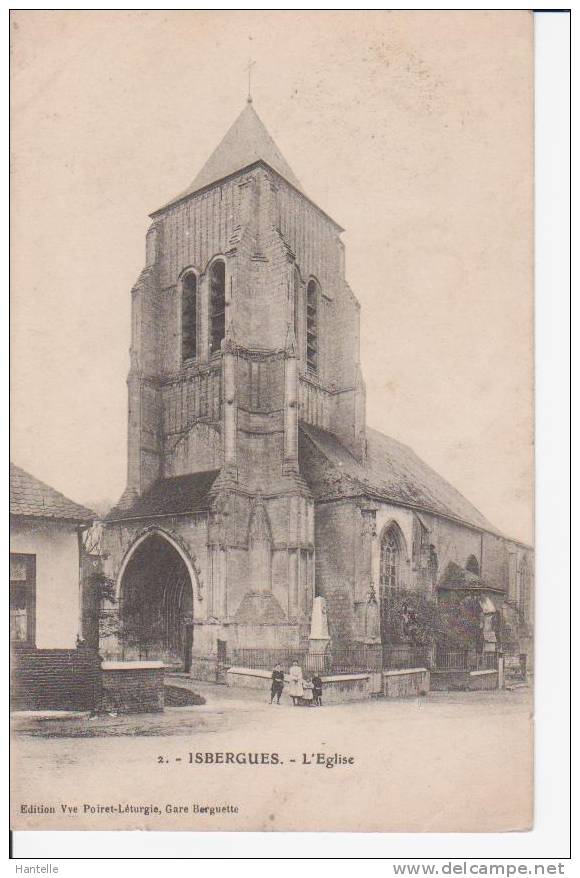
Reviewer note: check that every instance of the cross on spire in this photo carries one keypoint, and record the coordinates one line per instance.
(249, 69)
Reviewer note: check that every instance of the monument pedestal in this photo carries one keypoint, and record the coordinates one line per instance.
(319, 636)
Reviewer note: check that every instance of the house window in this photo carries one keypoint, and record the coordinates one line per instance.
(217, 305)
(312, 327)
(22, 598)
(391, 546)
(472, 565)
(189, 317)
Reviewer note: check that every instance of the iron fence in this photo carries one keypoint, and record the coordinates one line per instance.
(353, 658)
(266, 659)
(399, 656)
(464, 660)
(340, 659)
(350, 658)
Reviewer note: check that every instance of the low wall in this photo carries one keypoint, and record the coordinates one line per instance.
(406, 683)
(483, 680)
(204, 669)
(463, 681)
(132, 687)
(249, 678)
(55, 679)
(339, 688)
(336, 688)
(443, 681)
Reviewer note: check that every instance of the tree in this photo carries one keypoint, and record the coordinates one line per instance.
(419, 619)
(100, 615)
(461, 618)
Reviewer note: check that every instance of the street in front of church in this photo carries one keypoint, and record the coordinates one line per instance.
(471, 747)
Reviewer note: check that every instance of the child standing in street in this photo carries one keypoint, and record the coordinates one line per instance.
(308, 696)
(317, 690)
(277, 684)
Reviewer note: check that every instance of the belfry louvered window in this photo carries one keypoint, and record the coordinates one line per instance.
(189, 317)
(217, 305)
(312, 326)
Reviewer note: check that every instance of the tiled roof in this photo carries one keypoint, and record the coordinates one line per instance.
(392, 471)
(246, 143)
(456, 578)
(31, 497)
(169, 497)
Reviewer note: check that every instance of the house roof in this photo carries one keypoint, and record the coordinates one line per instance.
(174, 496)
(392, 472)
(32, 498)
(245, 143)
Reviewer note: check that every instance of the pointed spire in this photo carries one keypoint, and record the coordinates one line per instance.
(246, 142)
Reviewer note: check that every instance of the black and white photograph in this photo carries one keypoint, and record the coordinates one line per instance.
(272, 561)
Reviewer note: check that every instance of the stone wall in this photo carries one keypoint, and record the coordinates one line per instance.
(341, 688)
(132, 687)
(453, 542)
(406, 683)
(55, 679)
(268, 235)
(336, 689)
(462, 681)
(222, 579)
(336, 547)
(273, 240)
(483, 680)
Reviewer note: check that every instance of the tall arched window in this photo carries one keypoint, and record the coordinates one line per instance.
(189, 317)
(217, 305)
(312, 326)
(391, 557)
(472, 565)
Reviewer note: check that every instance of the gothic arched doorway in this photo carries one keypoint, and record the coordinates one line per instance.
(156, 603)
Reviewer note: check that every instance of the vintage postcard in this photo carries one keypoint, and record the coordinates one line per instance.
(271, 490)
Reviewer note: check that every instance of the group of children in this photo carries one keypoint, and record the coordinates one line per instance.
(303, 690)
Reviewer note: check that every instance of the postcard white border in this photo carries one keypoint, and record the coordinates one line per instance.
(550, 836)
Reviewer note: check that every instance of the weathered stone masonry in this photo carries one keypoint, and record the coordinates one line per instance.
(302, 494)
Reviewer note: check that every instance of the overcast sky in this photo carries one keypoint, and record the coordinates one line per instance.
(411, 129)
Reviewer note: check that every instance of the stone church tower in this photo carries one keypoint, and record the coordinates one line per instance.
(243, 327)
(253, 483)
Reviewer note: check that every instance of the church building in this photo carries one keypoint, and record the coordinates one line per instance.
(254, 485)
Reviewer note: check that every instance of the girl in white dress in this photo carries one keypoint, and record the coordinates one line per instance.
(295, 687)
